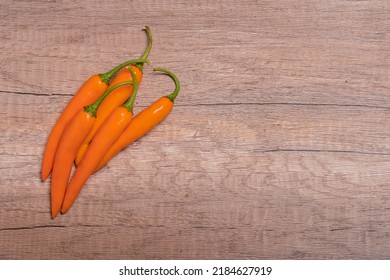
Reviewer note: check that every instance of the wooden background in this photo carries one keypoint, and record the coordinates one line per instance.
(278, 147)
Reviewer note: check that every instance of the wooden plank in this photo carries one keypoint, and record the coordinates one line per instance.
(278, 146)
(340, 49)
(242, 184)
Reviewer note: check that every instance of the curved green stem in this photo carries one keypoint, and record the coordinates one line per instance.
(146, 53)
(130, 102)
(91, 109)
(106, 77)
(174, 94)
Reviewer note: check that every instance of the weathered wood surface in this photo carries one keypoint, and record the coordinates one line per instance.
(278, 147)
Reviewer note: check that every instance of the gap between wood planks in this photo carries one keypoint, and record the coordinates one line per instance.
(227, 104)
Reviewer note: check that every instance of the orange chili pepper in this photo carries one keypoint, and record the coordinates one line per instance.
(117, 98)
(89, 92)
(143, 122)
(104, 138)
(71, 140)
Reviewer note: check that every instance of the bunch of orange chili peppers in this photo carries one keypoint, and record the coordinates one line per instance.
(96, 125)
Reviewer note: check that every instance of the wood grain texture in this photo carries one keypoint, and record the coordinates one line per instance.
(278, 146)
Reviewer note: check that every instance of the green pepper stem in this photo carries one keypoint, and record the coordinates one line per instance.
(106, 77)
(174, 94)
(92, 108)
(130, 102)
(146, 53)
